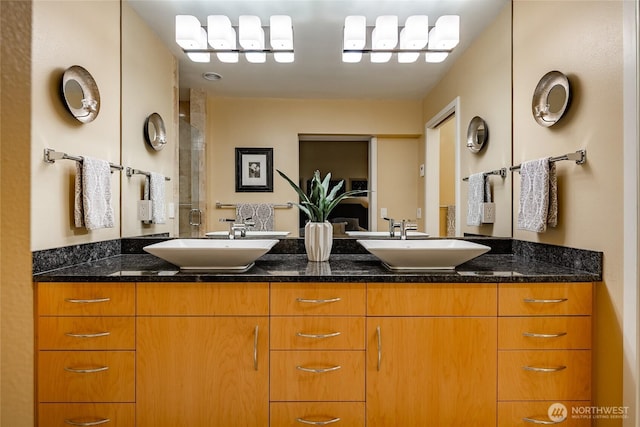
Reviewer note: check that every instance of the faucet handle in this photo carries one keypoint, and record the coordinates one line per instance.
(227, 220)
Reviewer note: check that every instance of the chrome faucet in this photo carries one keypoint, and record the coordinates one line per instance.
(404, 225)
(238, 229)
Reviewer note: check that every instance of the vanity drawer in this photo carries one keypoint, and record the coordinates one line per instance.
(65, 414)
(86, 376)
(545, 299)
(86, 333)
(86, 299)
(317, 333)
(544, 375)
(202, 299)
(339, 376)
(431, 299)
(539, 333)
(347, 414)
(313, 299)
(525, 414)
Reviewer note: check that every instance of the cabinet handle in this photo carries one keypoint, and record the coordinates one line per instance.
(318, 423)
(379, 336)
(88, 335)
(545, 301)
(534, 335)
(318, 301)
(538, 421)
(87, 301)
(88, 423)
(255, 348)
(544, 369)
(329, 335)
(318, 370)
(86, 370)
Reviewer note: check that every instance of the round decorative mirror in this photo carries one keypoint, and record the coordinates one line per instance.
(80, 93)
(477, 134)
(551, 98)
(154, 132)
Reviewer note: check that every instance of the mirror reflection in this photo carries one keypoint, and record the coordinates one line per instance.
(556, 99)
(247, 108)
(73, 94)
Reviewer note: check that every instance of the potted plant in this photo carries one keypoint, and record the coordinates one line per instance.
(318, 231)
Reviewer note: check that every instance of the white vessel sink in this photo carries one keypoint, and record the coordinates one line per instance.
(207, 254)
(383, 234)
(423, 254)
(251, 234)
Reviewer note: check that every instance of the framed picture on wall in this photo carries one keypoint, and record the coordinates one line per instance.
(254, 170)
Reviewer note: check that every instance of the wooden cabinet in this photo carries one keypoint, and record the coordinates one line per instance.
(86, 358)
(317, 354)
(544, 352)
(202, 355)
(428, 362)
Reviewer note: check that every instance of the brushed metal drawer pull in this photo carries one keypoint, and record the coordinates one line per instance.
(545, 301)
(318, 301)
(318, 370)
(379, 335)
(88, 335)
(329, 335)
(318, 423)
(87, 301)
(544, 369)
(86, 370)
(255, 348)
(537, 421)
(534, 335)
(88, 423)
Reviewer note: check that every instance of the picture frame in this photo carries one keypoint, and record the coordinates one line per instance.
(254, 170)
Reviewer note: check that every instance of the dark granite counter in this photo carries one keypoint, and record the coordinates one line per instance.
(488, 268)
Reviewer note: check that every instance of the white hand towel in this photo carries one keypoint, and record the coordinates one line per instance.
(475, 198)
(538, 196)
(92, 203)
(154, 191)
(260, 213)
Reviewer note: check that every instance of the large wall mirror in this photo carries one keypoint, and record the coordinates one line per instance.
(244, 109)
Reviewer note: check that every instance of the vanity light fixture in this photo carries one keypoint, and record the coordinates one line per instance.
(220, 38)
(414, 38)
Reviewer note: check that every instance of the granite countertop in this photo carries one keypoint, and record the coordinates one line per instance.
(488, 268)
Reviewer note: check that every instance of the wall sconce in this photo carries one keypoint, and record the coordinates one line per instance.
(220, 38)
(415, 38)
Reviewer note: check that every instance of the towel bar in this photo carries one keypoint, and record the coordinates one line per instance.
(131, 171)
(219, 205)
(580, 157)
(50, 156)
(502, 172)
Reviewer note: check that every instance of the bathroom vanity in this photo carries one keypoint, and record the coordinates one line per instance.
(132, 340)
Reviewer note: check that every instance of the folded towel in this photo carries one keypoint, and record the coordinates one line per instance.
(260, 213)
(475, 198)
(154, 191)
(92, 203)
(538, 196)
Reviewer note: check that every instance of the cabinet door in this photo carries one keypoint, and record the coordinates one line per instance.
(431, 371)
(202, 371)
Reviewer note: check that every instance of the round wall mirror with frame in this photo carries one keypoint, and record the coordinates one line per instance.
(154, 132)
(477, 134)
(80, 94)
(551, 98)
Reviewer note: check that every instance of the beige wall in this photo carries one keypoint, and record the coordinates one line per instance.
(481, 77)
(57, 45)
(16, 292)
(243, 122)
(583, 39)
(149, 85)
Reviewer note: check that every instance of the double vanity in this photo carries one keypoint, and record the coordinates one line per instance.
(132, 340)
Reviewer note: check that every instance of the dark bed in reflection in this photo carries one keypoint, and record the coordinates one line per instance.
(350, 215)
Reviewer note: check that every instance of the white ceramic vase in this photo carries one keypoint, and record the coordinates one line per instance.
(318, 239)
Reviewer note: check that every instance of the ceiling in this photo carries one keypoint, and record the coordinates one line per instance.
(318, 70)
